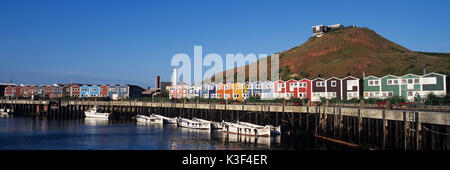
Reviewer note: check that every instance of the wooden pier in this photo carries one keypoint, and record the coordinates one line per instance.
(371, 128)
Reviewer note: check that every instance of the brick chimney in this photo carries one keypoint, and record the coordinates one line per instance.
(157, 82)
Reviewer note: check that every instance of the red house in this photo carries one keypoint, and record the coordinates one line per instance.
(24, 91)
(12, 91)
(33, 90)
(292, 89)
(75, 90)
(104, 91)
(48, 91)
(304, 89)
(279, 89)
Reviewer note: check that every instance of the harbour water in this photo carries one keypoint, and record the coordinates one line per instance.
(40, 133)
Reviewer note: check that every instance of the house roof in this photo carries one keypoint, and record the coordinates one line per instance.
(410, 74)
(371, 77)
(389, 75)
(333, 78)
(434, 73)
(350, 77)
(317, 79)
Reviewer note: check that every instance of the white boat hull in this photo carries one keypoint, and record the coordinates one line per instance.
(273, 129)
(234, 128)
(194, 124)
(148, 119)
(214, 125)
(167, 120)
(89, 114)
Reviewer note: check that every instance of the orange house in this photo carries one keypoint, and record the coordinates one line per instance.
(220, 91)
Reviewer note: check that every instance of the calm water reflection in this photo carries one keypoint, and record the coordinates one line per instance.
(19, 133)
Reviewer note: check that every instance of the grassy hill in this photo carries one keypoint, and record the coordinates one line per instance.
(352, 51)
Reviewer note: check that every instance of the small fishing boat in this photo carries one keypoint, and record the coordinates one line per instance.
(148, 119)
(193, 124)
(214, 125)
(96, 112)
(166, 120)
(273, 129)
(235, 128)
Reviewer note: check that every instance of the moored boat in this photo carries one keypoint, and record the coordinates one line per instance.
(245, 130)
(193, 124)
(5, 111)
(148, 119)
(274, 130)
(214, 125)
(96, 112)
(167, 120)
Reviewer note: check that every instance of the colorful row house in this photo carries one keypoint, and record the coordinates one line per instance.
(344, 89)
(408, 86)
(74, 90)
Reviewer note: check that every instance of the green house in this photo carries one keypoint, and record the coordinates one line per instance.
(410, 86)
(372, 87)
(390, 86)
(434, 83)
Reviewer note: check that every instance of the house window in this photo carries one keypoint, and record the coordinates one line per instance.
(389, 82)
(416, 81)
(333, 83)
(374, 82)
(390, 94)
(320, 84)
(410, 81)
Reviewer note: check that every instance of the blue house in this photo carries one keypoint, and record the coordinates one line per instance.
(113, 91)
(267, 90)
(205, 91)
(255, 89)
(84, 91)
(94, 91)
(57, 90)
(123, 91)
(212, 90)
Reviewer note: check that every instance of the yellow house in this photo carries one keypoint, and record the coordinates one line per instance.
(237, 91)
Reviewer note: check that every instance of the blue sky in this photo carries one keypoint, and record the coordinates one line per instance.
(112, 41)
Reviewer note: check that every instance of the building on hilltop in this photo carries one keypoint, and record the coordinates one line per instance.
(319, 30)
